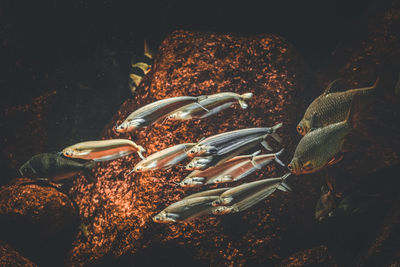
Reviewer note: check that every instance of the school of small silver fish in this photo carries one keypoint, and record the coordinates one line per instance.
(222, 158)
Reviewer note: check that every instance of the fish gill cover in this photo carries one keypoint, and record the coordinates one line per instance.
(118, 208)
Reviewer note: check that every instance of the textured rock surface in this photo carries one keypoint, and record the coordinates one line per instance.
(38, 221)
(318, 256)
(9, 257)
(118, 208)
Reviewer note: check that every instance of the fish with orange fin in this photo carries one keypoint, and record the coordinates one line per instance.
(103, 150)
(323, 147)
(333, 107)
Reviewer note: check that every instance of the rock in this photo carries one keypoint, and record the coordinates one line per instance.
(38, 221)
(317, 256)
(10, 257)
(119, 207)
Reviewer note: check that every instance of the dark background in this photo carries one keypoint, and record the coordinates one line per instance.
(39, 36)
(82, 51)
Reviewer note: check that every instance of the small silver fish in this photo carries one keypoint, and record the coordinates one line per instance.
(164, 159)
(250, 164)
(154, 112)
(208, 145)
(199, 163)
(252, 192)
(226, 153)
(103, 150)
(210, 106)
(186, 209)
(231, 170)
(208, 193)
(222, 210)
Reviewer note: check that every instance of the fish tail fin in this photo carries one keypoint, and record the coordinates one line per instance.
(284, 186)
(277, 160)
(89, 165)
(266, 145)
(243, 98)
(147, 51)
(274, 134)
(353, 115)
(200, 98)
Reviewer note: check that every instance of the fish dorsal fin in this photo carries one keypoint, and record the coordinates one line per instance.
(147, 51)
(332, 87)
(335, 160)
(201, 97)
(313, 122)
(353, 114)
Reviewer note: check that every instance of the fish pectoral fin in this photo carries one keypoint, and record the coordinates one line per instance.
(243, 104)
(266, 145)
(335, 160)
(202, 97)
(333, 86)
(313, 122)
(255, 165)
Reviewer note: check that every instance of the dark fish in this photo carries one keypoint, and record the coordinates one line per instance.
(140, 68)
(325, 205)
(332, 107)
(154, 112)
(210, 106)
(53, 166)
(320, 148)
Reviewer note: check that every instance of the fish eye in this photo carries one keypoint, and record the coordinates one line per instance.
(290, 167)
(299, 129)
(307, 166)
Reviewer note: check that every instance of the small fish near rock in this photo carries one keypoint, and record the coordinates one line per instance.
(54, 167)
(103, 150)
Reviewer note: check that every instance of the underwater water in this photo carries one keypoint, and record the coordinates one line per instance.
(65, 80)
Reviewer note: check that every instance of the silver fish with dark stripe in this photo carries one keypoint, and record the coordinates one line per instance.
(208, 146)
(186, 210)
(140, 67)
(154, 112)
(210, 106)
(244, 196)
(164, 159)
(230, 170)
(222, 155)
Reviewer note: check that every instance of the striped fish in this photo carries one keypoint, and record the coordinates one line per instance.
(140, 68)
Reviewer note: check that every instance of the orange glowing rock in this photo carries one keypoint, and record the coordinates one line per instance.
(119, 207)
